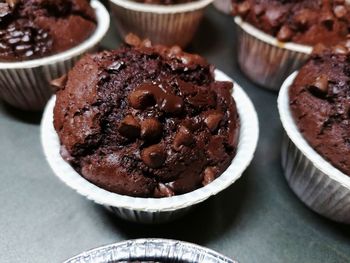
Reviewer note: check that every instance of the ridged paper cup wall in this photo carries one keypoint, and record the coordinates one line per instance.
(26, 84)
(321, 186)
(151, 250)
(162, 24)
(264, 59)
(156, 210)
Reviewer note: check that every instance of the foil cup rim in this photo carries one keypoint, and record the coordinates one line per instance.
(250, 29)
(297, 138)
(249, 133)
(103, 22)
(153, 253)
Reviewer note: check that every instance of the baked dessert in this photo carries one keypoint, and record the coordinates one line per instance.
(320, 103)
(165, 2)
(36, 28)
(307, 22)
(146, 120)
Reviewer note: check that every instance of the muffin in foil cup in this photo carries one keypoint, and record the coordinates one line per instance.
(156, 210)
(320, 185)
(264, 59)
(26, 84)
(162, 24)
(151, 251)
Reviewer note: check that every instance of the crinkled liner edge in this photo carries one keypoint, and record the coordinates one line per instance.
(297, 138)
(251, 30)
(162, 9)
(249, 133)
(103, 22)
(167, 243)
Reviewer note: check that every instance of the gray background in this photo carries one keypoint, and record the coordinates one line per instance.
(258, 219)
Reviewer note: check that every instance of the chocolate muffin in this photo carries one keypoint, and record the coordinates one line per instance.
(165, 2)
(320, 103)
(307, 22)
(36, 28)
(146, 120)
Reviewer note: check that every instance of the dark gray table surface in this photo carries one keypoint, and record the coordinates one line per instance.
(258, 219)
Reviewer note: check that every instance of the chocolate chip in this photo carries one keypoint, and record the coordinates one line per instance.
(171, 104)
(285, 34)
(183, 138)
(116, 66)
(132, 40)
(154, 156)
(340, 11)
(141, 99)
(209, 175)
(163, 191)
(59, 83)
(4, 10)
(213, 120)
(129, 127)
(320, 87)
(151, 129)
(12, 3)
(243, 8)
(340, 49)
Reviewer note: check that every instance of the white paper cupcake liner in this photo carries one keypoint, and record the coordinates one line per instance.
(224, 6)
(321, 186)
(264, 59)
(156, 210)
(25, 84)
(168, 25)
(150, 250)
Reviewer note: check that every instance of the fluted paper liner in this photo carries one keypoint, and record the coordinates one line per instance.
(162, 24)
(320, 185)
(155, 210)
(264, 59)
(153, 250)
(26, 84)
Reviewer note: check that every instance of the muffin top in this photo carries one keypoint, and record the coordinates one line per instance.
(320, 103)
(32, 29)
(146, 120)
(307, 22)
(165, 2)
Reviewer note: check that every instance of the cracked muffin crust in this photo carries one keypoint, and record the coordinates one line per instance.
(146, 120)
(32, 29)
(320, 103)
(307, 22)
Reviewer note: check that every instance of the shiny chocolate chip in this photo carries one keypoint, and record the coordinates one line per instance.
(209, 175)
(141, 99)
(320, 87)
(285, 34)
(163, 191)
(116, 66)
(213, 119)
(340, 11)
(183, 137)
(154, 156)
(129, 127)
(151, 129)
(340, 49)
(171, 104)
(59, 83)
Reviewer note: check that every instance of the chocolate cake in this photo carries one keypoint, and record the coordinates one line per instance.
(307, 22)
(146, 120)
(320, 103)
(36, 28)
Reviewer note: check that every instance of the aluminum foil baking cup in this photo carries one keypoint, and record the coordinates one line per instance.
(320, 185)
(26, 84)
(264, 59)
(156, 210)
(162, 24)
(151, 251)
